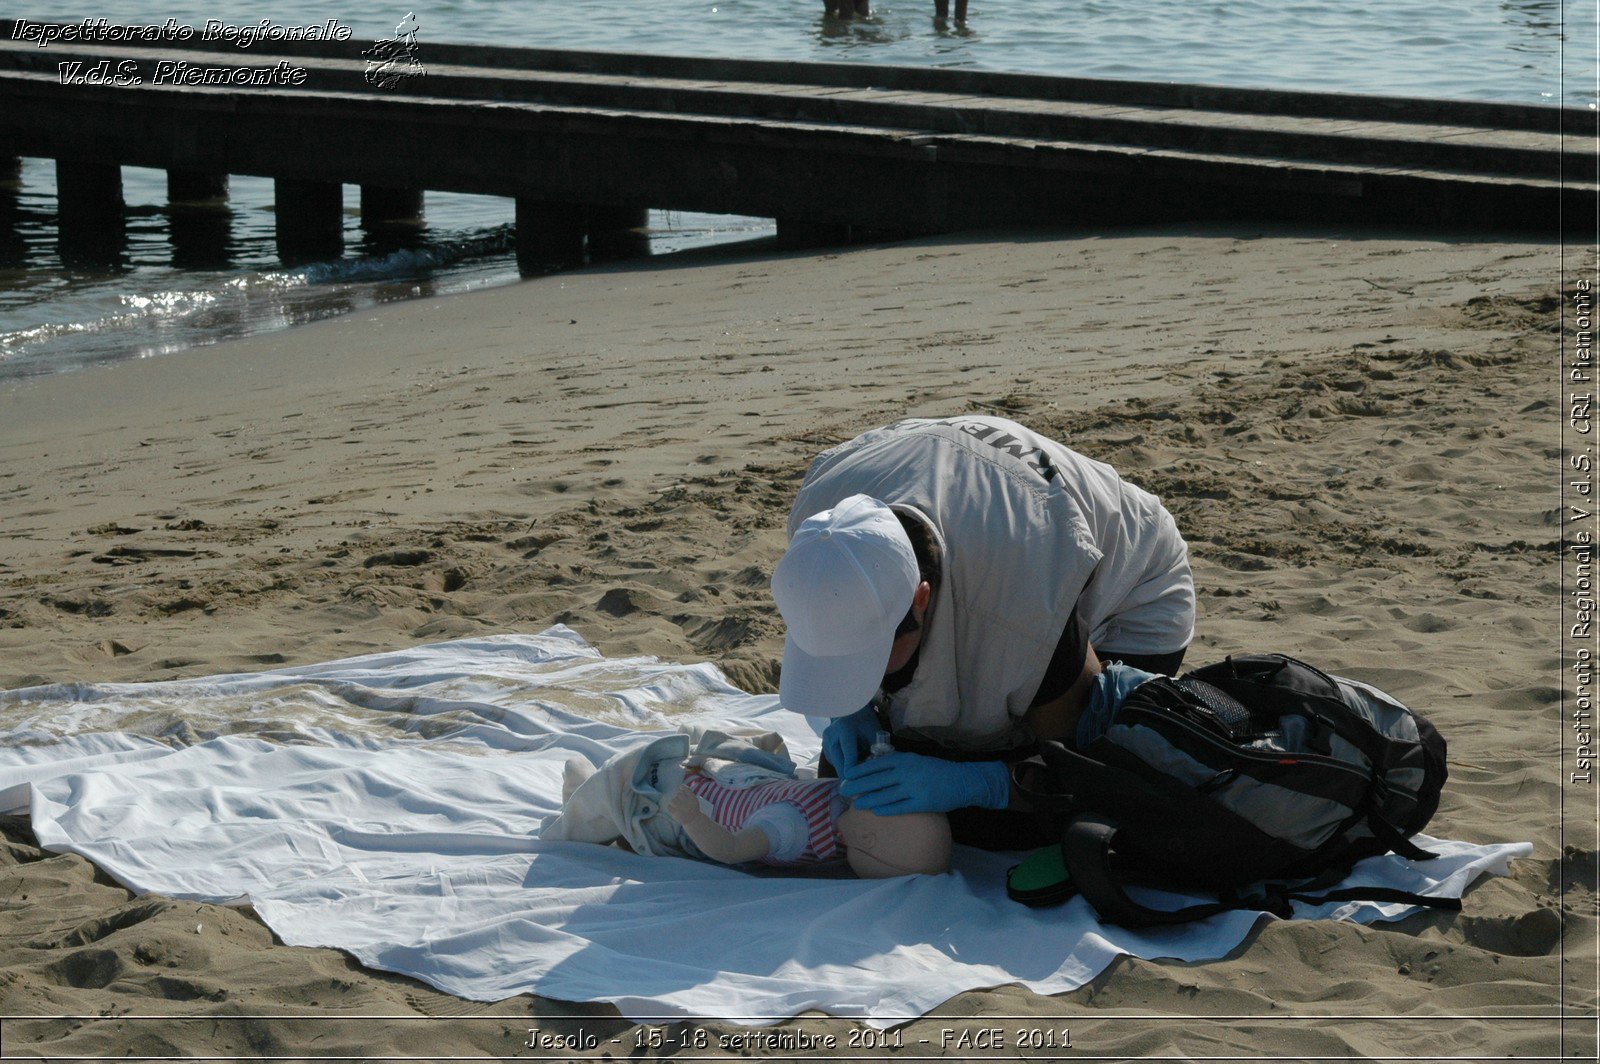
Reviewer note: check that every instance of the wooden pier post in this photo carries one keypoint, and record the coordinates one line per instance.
(89, 206)
(13, 251)
(618, 230)
(310, 219)
(795, 233)
(549, 234)
(199, 223)
(196, 186)
(201, 237)
(383, 205)
(88, 190)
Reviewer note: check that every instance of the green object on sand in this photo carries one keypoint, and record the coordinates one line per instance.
(1041, 880)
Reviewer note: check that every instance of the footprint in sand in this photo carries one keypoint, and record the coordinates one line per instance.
(402, 558)
(1430, 622)
(625, 602)
(1533, 934)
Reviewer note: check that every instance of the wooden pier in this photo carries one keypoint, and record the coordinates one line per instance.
(585, 142)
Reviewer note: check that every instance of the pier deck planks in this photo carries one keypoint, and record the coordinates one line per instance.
(729, 135)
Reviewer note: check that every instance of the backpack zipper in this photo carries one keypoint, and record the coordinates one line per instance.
(1251, 755)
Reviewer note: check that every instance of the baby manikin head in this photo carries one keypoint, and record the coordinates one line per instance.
(878, 847)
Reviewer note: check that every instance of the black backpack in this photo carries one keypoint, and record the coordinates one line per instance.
(1260, 769)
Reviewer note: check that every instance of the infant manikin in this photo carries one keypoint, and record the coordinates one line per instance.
(738, 799)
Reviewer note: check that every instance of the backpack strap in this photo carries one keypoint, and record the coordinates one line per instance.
(1377, 894)
(1042, 788)
(1316, 891)
(1042, 785)
(1392, 837)
(1086, 850)
(1382, 829)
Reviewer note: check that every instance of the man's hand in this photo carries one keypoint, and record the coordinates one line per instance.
(844, 740)
(913, 783)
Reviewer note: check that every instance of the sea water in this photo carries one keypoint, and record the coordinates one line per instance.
(57, 316)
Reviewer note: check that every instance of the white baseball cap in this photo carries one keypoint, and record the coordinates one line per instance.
(843, 586)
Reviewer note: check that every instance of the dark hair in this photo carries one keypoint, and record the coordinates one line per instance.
(930, 561)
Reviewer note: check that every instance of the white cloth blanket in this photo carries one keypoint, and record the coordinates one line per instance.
(388, 805)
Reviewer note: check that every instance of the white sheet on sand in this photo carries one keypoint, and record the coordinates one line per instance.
(387, 805)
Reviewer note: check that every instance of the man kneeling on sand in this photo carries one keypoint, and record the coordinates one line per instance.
(944, 581)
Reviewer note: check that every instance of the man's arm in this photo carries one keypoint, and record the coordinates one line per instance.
(1058, 718)
(714, 840)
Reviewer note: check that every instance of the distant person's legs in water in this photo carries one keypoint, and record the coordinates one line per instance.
(846, 8)
(941, 9)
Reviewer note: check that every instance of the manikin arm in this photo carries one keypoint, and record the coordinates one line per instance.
(714, 840)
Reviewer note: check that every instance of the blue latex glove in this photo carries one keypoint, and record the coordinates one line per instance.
(913, 783)
(844, 740)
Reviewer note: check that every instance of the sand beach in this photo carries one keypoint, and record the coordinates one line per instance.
(1359, 433)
